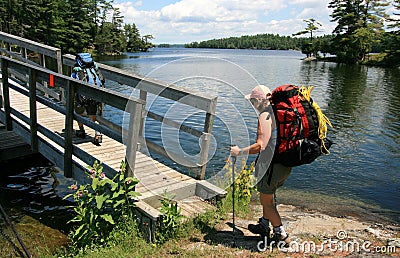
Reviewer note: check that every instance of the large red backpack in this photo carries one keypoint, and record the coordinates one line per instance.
(298, 120)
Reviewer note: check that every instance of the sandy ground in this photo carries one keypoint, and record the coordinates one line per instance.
(312, 234)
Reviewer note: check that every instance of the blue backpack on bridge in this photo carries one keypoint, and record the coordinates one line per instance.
(85, 69)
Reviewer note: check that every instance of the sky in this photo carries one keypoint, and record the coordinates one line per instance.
(185, 21)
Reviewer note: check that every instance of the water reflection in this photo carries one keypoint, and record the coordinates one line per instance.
(360, 101)
(36, 188)
(361, 105)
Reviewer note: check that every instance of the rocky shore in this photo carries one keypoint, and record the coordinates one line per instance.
(312, 234)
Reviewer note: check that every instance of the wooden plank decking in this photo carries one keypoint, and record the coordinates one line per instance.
(154, 177)
(11, 145)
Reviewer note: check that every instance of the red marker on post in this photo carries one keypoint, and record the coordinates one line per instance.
(51, 81)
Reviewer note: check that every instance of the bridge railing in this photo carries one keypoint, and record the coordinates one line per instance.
(200, 101)
(191, 98)
(20, 49)
(29, 127)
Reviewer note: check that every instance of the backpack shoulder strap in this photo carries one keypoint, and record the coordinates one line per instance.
(99, 74)
(82, 75)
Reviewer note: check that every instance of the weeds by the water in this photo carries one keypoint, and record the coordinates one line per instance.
(96, 235)
(171, 219)
(244, 188)
(101, 205)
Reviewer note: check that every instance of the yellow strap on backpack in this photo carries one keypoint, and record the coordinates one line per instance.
(322, 119)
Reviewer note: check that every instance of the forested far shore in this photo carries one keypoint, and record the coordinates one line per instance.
(363, 27)
(259, 41)
(73, 26)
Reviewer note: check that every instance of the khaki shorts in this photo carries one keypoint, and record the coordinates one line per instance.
(279, 175)
(91, 109)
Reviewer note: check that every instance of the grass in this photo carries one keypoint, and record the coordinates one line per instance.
(127, 242)
(206, 235)
(197, 237)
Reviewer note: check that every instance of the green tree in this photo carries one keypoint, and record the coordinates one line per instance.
(146, 41)
(77, 31)
(392, 43)
(396, 20)
(117, 35)
(360, 22)
(13, 18)
(312, 25)
(309, 48)
(132, 36)
(3, 17)
(73, 25)
(260, 41)
(325, 45)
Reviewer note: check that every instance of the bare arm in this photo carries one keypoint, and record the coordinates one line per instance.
(263, 135)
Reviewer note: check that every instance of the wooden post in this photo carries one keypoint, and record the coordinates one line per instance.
(43, 60)
(60, 71)
(59, 62)
(43, 63)
(33, 110)
(1, 94)
(69, 119)
(24, 53)
(205, 146)
(143, 96)
(1, 91)
(135, 110)
(6, 94)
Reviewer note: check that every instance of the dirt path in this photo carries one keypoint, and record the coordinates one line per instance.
(312, 234)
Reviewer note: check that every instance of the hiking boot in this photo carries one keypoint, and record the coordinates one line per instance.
(80, 134)
(259, 228)
(280, 241)
(98, 138)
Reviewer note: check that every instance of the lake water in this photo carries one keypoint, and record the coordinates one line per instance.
(359, 176)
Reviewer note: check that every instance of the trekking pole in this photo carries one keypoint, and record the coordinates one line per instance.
(7, 219)
(233, 158)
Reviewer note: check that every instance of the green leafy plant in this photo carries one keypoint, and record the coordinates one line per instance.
(100, 205)
(244, 184)
(171, 219)
(244, 188)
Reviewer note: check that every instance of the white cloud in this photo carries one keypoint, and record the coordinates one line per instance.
(212, 10)
(193, 20)
(309, 3)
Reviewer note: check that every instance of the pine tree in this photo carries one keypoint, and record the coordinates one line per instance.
(117, 36)
(395, 21)
(72, 25)
(312, 25)
(78, 24)
(309, 47)
(359, 24)
(132, 35)
(393, 44)
(3, 17)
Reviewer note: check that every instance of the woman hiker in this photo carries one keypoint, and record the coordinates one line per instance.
(270, 175)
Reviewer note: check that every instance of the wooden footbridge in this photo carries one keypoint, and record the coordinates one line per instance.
(37, 116)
